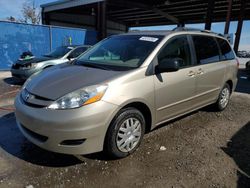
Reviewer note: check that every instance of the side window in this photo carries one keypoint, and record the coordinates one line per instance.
(206, 49)
(226, 50)
(177, 48)
(77, 52)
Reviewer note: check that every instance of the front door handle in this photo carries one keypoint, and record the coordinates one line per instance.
(200, 71)
(191, 73)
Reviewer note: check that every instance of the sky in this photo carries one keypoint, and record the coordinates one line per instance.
(13, 8)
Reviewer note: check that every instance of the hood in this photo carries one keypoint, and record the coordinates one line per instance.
(60, 80)
(33, 60)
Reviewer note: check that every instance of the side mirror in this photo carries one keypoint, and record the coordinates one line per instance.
(169, 65)
(70, 57)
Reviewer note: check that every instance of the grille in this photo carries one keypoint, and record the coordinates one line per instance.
(34, 100)
(16, 66)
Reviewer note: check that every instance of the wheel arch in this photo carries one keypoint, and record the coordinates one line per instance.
(230, 83)
(47, 66)
(146, 112)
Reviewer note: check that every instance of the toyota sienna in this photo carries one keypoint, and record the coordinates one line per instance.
(123, 87)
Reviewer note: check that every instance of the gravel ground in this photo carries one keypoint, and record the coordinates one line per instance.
(8, 88)
(202, 149)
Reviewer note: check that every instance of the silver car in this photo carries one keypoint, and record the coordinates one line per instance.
(23, 68)
(124, 86)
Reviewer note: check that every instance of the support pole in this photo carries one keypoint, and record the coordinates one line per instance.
(181, 24)
(209, 17)
(239, 26)
(98, 21)
(103, 20)
(127, 29)
(228, 19)
(45, 18)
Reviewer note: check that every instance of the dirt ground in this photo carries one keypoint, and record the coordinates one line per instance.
(202, 149)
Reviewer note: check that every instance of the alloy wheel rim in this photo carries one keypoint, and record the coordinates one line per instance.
(225, 94)
(129, 135)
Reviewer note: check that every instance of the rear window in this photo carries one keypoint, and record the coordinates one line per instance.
(226, 50)
(207, 50)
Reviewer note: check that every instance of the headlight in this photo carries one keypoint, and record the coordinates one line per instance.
(80, 97)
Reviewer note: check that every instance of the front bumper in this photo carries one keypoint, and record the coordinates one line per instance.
(88, 123)
(23, 73)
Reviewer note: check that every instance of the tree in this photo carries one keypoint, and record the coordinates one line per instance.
(30, 13)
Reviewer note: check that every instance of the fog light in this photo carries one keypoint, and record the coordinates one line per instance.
(72, 142)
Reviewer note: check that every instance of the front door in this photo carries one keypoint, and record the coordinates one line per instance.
(174, 91)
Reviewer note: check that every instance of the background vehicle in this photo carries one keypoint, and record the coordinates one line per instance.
(25, 67)
(124, 86)
(243, 54)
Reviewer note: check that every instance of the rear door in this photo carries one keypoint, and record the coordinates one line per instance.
(174, 91)
(210, 70)
(228, 56)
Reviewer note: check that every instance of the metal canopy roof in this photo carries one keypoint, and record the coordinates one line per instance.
(65, 4)
(154, 12)
(118, 15)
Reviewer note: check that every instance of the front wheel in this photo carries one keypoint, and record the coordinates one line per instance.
(224, 97)
(125, 133)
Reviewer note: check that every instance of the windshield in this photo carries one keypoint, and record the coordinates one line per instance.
(120, 52)
(59, 52)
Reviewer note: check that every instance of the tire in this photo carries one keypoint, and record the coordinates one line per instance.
(223, 98)
(125, 133)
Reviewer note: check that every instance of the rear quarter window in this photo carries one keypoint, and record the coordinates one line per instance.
(226, 51)
(206, 48)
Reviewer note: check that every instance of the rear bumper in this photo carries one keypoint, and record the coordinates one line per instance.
(84, 128)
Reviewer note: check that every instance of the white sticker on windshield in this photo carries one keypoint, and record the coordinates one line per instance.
(149, 39)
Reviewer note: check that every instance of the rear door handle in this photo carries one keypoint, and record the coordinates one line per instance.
(200, 71)
(191, 73)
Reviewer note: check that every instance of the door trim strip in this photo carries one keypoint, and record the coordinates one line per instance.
(188, 99)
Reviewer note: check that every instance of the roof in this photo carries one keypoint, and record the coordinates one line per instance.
(62, 4)
(156, 12)
(183, 30)
(135, 32)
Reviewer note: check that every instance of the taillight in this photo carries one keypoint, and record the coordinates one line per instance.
(238, 63)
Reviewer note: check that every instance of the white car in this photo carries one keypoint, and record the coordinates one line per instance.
(24, 67)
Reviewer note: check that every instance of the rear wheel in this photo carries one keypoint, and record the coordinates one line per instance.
(224, 97)
(125, 133)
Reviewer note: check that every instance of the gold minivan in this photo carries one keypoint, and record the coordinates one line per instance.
(123, 87)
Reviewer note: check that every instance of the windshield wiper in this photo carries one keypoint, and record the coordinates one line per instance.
(93, 65)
